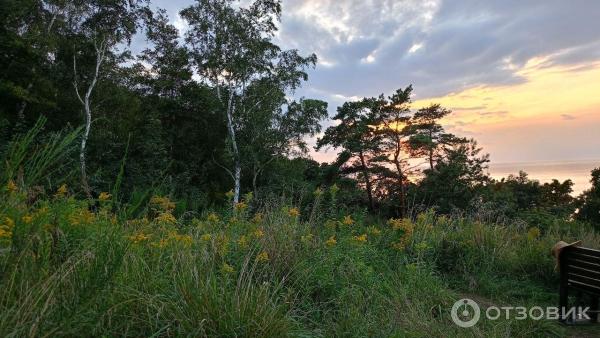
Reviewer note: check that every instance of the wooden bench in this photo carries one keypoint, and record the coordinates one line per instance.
(579, 272)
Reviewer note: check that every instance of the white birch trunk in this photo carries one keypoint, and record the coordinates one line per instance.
(85, 101)
(236, 154)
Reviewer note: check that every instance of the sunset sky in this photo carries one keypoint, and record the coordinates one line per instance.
(522, 77)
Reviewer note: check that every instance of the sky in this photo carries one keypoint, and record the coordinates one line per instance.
(521, 77)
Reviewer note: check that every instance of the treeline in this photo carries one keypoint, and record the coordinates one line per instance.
(211, 111)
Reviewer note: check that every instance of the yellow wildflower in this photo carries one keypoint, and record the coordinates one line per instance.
(186, 240)
(402, 224)
(374, 230)
(293, 212)
(9, 223)
(62, 191)
(161, 203)
(226, 268)
(334, 189)
(27, 219)
(140, 237)
(104, 196)
(361, 238)
(166, 217)
(262, 257)
(258, 217)
(259, 233)
(11, 186)
(212, 217)
(399, 245)
(206, 237)
(83, 216)
(5, 233)
(222, 244)
(533, 233)
(348, 220)
(229, 194)
(331, 241)
(241, 206)
(243, 242)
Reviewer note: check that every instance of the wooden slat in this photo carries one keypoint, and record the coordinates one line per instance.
(585, 251)
(586, 258)
(584, 279)
(582, 271)
(584, 287)
(583, 264)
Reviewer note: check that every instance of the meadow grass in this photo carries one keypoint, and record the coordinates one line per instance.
(262, 271)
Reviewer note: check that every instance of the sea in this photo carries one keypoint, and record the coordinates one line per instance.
(578, 171)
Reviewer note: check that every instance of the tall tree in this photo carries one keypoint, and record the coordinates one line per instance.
(100, 26)
(232, 49)
(588, 203)
(429, 137)
(394, 125)
(356, 135)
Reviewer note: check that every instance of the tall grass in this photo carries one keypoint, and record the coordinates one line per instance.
(263, 269)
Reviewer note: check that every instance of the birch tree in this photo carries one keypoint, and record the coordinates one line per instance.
(100, 26)
(232, 49)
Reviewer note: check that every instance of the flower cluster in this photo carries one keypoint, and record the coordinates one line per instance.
(533, 233)
(82, 217)
(6, 228)
(405, 227)
(360, 238)
(294, 212)
(161, 204)
(331, 241)
(61, 191)
(262, 257)
(347, 220)
(138, 238)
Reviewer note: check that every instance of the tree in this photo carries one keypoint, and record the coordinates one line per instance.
(429, 136)
(232, 49)
(456, 178)
(395, 128)
(588, 203)
(100, 26)
(357, 136)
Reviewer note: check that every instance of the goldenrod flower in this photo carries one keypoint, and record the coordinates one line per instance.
(9, 223)
(212, 217)
(259, 233)
(5, 233)
(140, 237)
(161, 203)
(62, 191)
(331, 241)
(374, 230)
(206, 237)
(166, 217)
(262, 257)
(348, 220)
(104, 196)
(241, 206)
(27, 219)
(533, 233)
(11, 186)
(82, 216)
(294, 212)
(334, 189)
(258, 217)
(318, 192)
(226, 268)
(229, 194)
(243, 242)
(361, 238)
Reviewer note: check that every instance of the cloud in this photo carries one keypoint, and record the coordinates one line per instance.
(567, 117)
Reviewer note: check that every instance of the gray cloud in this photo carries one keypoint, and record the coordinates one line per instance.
(567, 117)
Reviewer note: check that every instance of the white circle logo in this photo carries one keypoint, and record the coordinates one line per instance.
(465, 313)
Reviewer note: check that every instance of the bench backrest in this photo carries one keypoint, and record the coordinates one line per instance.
(580, 268)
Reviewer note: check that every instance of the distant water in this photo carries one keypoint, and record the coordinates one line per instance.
(577, 171)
